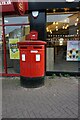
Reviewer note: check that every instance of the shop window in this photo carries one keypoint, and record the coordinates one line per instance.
(16, 20)
(13, 35)
(1, 48)
(63, 30)
(16, 29)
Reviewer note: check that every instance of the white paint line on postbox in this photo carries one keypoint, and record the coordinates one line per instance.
(34, 51)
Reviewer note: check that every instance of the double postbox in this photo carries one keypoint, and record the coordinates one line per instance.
(32, 58)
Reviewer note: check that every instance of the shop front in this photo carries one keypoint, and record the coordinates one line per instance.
(14, 25)
(57, 23)
(63, 48)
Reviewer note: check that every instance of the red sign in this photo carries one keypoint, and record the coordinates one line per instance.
(2, 2)
(9, 6)
(20, 7)
(6, 6)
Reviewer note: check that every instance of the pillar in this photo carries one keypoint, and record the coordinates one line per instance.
(39, 24)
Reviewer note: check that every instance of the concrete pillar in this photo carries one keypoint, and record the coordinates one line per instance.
(49, 59)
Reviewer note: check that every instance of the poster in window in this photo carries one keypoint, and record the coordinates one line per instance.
(14, 51)
(73, 50)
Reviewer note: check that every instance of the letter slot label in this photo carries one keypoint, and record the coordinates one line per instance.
(37, 57)
(23, 57)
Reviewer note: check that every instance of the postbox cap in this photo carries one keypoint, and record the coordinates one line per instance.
(32, 43)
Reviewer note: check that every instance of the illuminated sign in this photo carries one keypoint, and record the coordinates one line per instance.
(5, 2)
(20, 6)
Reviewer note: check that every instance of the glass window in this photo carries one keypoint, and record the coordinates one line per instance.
(63, 41)
(13, 35)
(1, 49)
(16, 20)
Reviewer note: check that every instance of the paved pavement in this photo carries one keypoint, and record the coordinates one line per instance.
(57, 98)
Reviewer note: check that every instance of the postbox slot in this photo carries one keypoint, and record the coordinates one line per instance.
(37, 47)
(22, 47)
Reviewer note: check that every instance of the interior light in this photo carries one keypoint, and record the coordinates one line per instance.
(75, 24)
(47, 29)
(56, 23)
(61, 41)
(77, 33)
(54, 10)
(53, 23)
(56, 29)
(77, 30)
(77, 19)
(67, 25)
(63, 27)
(50, 31)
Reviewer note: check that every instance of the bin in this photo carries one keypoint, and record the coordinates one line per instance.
(32, 59)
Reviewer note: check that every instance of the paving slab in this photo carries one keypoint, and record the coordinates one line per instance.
(56, 98)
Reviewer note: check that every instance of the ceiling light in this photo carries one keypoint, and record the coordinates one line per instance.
(61, 41)
(56, 23)
(54, 10)
(77, 19)
(67, 25)
(56, 26)
(77, 30)
(50, 31)
(75, 24)
(57, 29)
(63, 27)
(77, 33)
(47, 28)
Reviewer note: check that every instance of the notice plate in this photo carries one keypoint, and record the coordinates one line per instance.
(37, 57)
(23, 57)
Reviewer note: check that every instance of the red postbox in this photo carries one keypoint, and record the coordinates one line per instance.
(32, 36)
(32, 59)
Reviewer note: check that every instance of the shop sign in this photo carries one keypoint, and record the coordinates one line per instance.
(73, 50)
(20, 6)
(8, 2)
(6, 6)
(14, 51)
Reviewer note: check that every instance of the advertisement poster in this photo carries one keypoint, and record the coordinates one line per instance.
(73, 50)
(14, 51)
